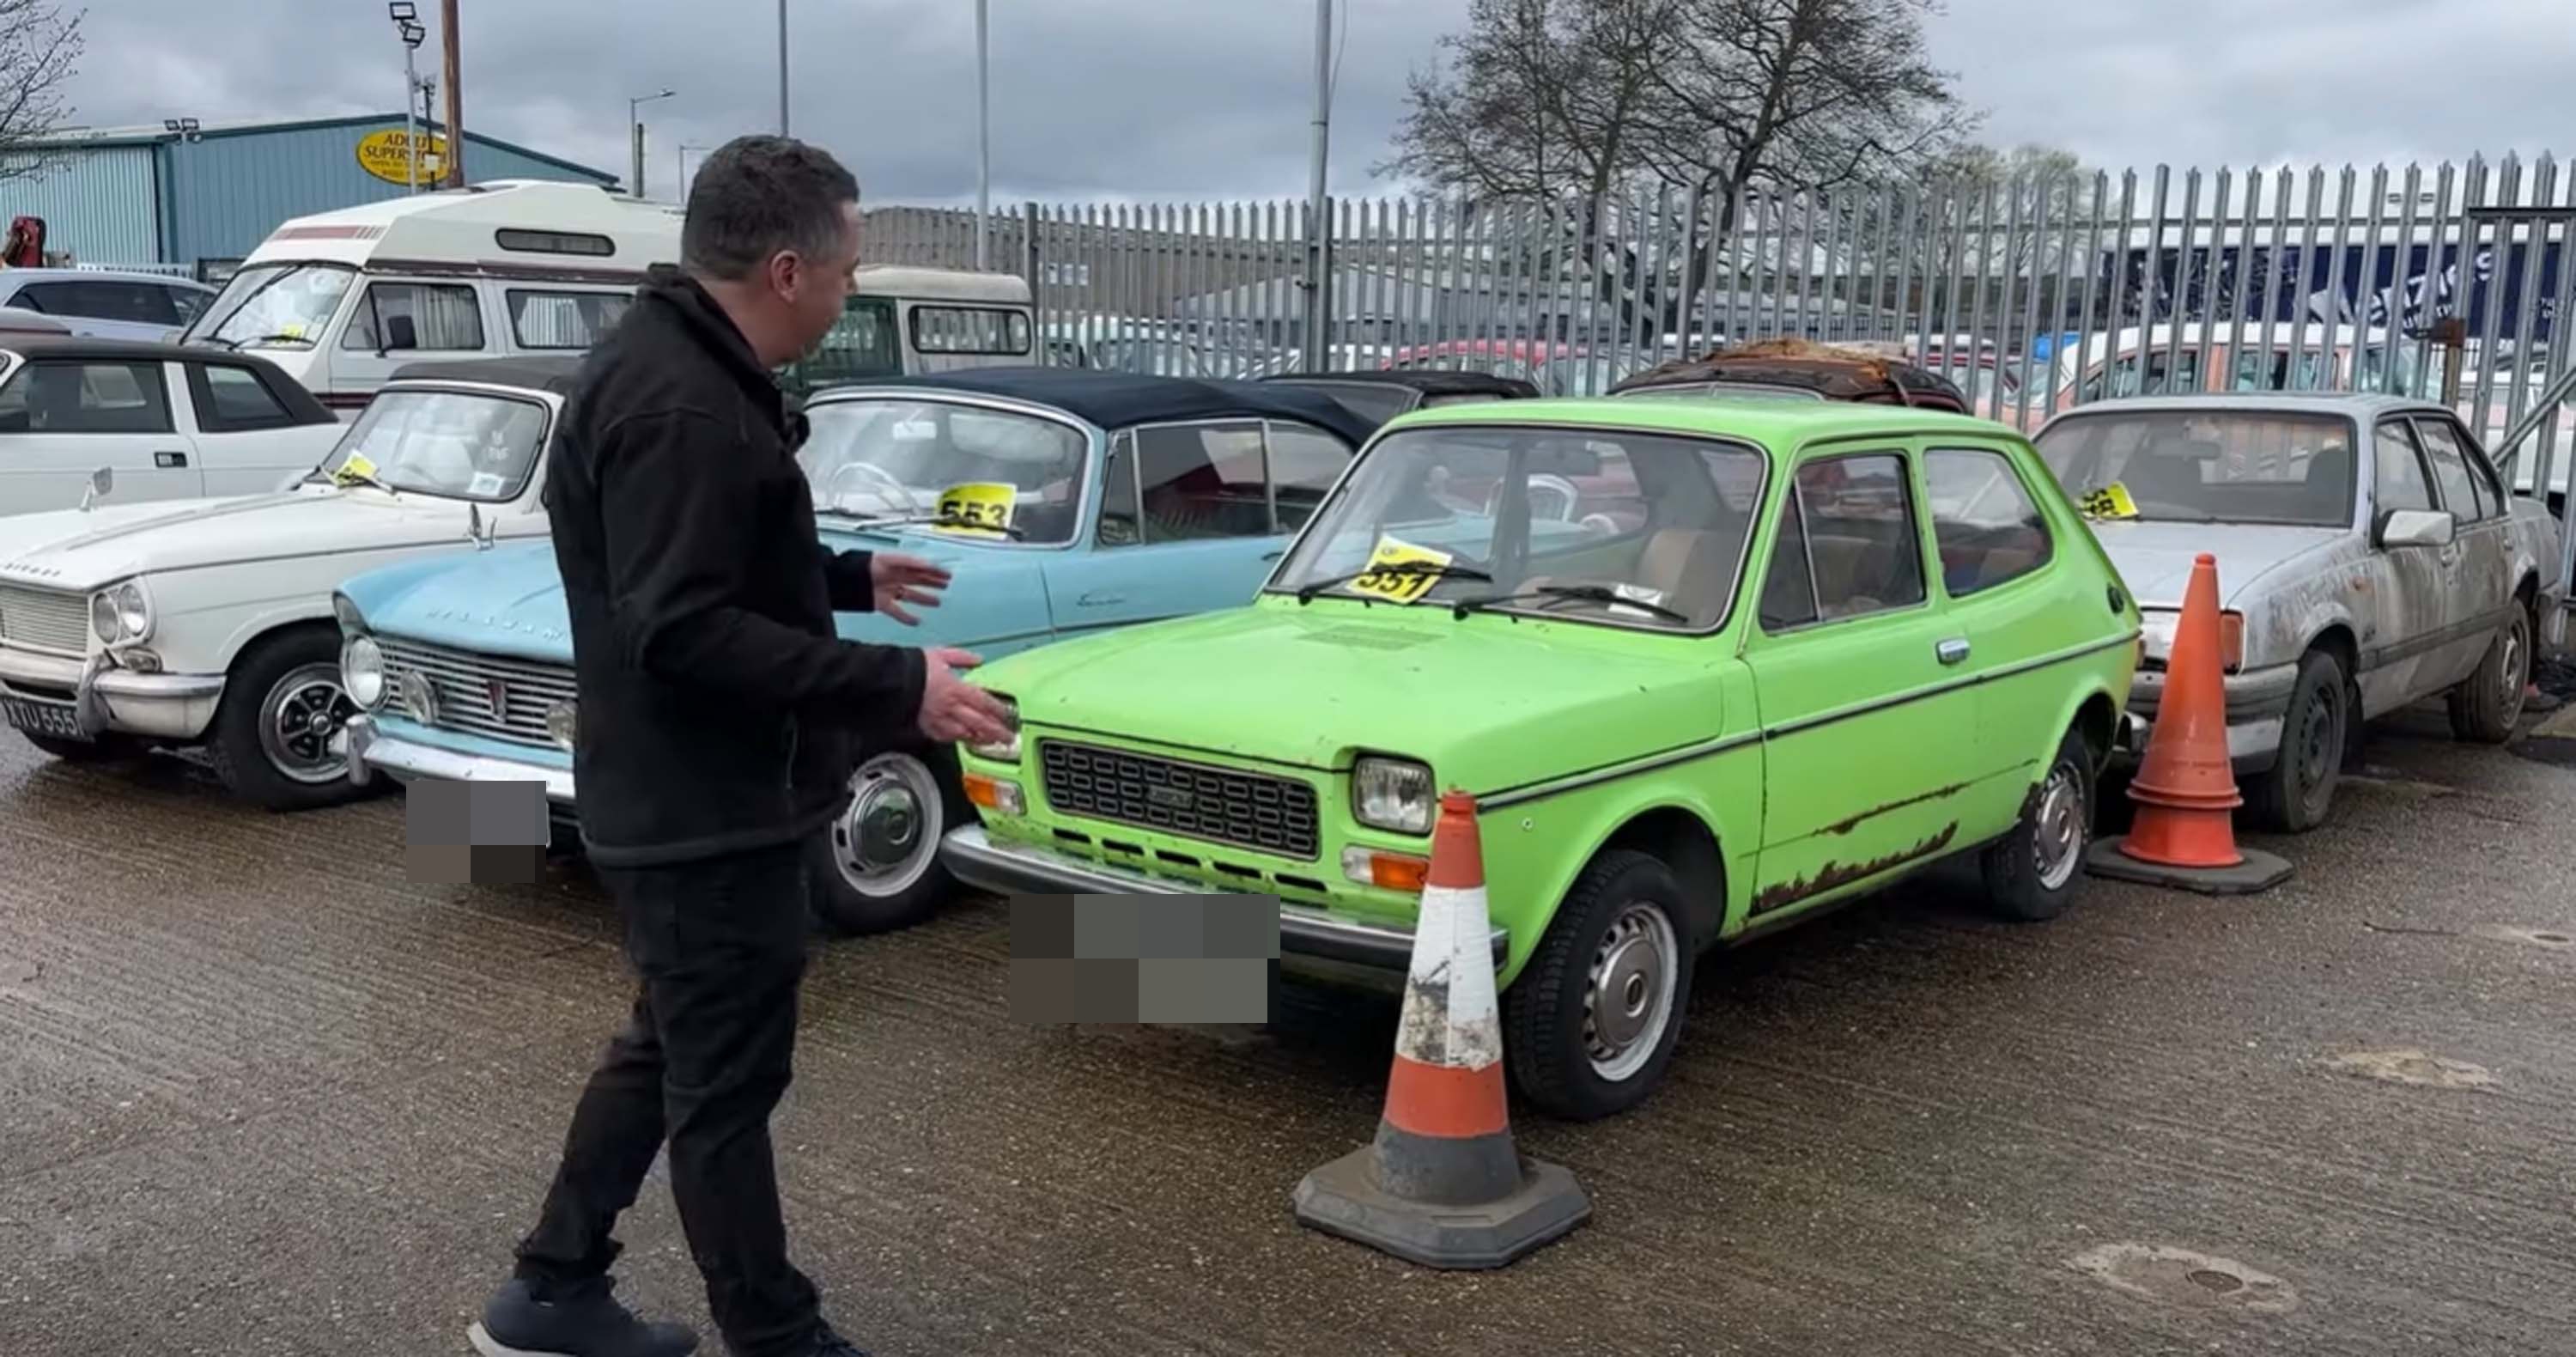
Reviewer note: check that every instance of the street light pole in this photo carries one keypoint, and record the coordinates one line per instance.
(983, 138)
(782, 67)
(1317, 286)
(635, 127)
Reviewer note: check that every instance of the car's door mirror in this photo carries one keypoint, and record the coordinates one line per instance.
(101, 481)
(2415, 528)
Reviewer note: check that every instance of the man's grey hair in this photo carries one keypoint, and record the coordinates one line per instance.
(756, 196)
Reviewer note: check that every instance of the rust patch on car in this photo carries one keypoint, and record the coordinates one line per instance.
(1837, 874)
(1847, 826)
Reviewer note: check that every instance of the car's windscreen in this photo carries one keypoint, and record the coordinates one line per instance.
(454, 444)
(953, 468)
(2206, 466)
(284, 306)
(1602, 526)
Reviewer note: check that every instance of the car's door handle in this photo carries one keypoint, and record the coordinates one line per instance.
(166, 460)
(1099, 598)
(1953, 650)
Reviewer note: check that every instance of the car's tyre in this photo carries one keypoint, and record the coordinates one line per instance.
(1590, 1025)
(271, 739)
(2035, 872)
(876, 867)
(110, 748)
(2294, 794)
(2488, 704)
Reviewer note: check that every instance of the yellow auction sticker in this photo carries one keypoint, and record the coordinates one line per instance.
(2111, 501)
(1386, 579)
(978, 506)
(358, 469)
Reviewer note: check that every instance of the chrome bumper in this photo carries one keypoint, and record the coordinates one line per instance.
(973, 857)
(371, 751)
(103, 698)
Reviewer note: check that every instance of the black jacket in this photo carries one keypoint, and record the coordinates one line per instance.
(718, 710)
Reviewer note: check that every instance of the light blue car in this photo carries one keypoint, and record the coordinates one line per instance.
(1063, 502)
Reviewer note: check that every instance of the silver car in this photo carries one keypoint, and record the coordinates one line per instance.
(105, 304)
(2367, 558)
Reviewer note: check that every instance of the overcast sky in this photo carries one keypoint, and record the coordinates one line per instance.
(1199, 99)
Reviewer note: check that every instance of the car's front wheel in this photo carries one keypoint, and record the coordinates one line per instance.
(2488, 704)
(1590, 1024)
(271, 741)
(876, 866)
(2294, 794)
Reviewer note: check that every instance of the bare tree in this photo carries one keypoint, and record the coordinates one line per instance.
(40, 48)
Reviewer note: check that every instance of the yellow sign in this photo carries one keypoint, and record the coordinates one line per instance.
(357, 469)
(2111, 501)
(387, 156)
(978, 506)
(1387, 578)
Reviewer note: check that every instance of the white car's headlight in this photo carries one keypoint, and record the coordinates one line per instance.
(362, 671)
(1008, 751)
(1393, 794)
(121, 614)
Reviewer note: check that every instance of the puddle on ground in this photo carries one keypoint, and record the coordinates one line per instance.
(2414, 1067)
(2550, 938)
(2182, 1277)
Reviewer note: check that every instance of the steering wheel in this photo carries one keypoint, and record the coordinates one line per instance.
(878, 474)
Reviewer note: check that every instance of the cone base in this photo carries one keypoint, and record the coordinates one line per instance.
(1343, 1198)
(2260, 871)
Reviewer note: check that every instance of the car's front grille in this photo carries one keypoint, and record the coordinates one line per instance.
(44, 619)
(1222, 805)
(504, 698)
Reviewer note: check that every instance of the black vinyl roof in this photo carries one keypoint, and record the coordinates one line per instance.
(300, 403)
(1428, 381)
(536, 372)
(1118, 400)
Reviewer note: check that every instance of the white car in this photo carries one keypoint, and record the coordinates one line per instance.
(126, 628)
(165, 422)
(105, 304)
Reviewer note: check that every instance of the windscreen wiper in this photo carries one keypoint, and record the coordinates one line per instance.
(1550, 594)
(1438, 570)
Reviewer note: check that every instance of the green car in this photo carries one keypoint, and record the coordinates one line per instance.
(1708, 668)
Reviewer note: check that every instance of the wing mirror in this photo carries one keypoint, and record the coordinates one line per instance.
(101, 481)
(2415, 528)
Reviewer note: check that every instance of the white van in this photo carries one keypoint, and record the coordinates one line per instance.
(513, 266)
(901, 320)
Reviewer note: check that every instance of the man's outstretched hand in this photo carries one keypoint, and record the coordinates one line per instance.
(953, 710)
(900, 580)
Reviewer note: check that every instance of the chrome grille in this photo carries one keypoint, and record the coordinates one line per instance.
(463, 682)
(44, 619)
(1222, 805)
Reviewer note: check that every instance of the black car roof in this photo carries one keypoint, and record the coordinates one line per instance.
(536, 372)
(302, 404)
(1118, 400)
(1428, 381)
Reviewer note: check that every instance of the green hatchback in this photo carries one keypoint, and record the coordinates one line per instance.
(1708, 668)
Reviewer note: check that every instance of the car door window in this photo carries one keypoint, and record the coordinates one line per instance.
(2461, 492)
(105, 299)
(2450, 471)
(70, 397)
(1856, 543)
(233, 400)
(2403, 483)
(1984, 522)
(399, 317)
(1201, 481)
(1304, 463)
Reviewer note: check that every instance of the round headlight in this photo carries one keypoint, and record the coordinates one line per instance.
(133, 616)
(560, 720)
(362, 672)
(102, 616)
(419, 700)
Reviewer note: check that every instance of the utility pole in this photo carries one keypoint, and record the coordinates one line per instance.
(983, 138)
(782, 67)
(1318, 287)
(455, 97)
(635, 126)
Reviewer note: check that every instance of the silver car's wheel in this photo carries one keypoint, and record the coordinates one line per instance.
(298, 717)
(1628, 994)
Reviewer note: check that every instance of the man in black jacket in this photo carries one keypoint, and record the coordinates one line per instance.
(718, 712)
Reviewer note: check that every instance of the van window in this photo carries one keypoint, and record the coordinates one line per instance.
(970, 329)
(563, 320)
(432, 316)
(860, 344)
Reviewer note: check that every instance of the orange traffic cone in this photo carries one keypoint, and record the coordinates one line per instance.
(1442, 1184)
(2185, 788)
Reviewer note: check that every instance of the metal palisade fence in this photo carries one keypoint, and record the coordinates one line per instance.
(2034, 293)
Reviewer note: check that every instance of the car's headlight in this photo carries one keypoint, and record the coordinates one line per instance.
(362, 671)
(121, 614)
(1008, 751)
(1393, 794)
(563, 723)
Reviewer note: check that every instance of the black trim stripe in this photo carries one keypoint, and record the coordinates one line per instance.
(2396, 651)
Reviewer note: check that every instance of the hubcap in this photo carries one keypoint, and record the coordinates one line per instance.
(887, 838)
(302, 713)
(2512, 678)
(1628, 997)
(2057, 832)
(2320, 741)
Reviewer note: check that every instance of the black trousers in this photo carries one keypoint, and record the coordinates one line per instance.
(720, 947)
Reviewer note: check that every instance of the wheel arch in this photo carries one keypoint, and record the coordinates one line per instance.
(1682, 839)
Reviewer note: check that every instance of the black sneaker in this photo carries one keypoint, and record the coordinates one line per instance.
(581, 1320)
(830, 1344)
